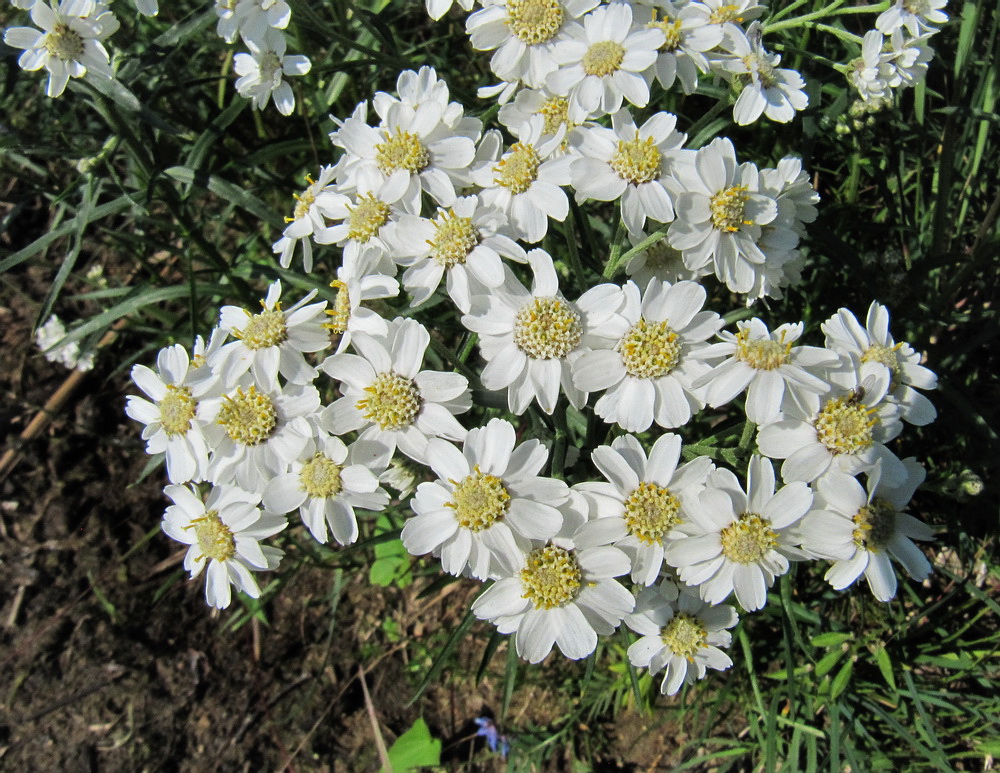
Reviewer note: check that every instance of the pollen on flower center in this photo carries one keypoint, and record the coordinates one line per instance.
(761, 353)
(366, 217)
(556, 113)
(479, 501)
(63, 43)
(263, 330)
(454, 238)
(401, 150)
(303, 201)
(726, 13)
(747, 539)
(671, 31)
(649, 349)
(651, 511)
(534, 21)
(340, 314)
(887, 355)
(551, 577)
(845, 426)
(270, 65)
(393, 401)
(603, 58)
(249, 417)
(755, 63)
(684, 635)
(727, 208)
(320, 477)
(875, 523)
(519, 168)
(177, 409)
(547, 328)
(215, 539)
(637, 161)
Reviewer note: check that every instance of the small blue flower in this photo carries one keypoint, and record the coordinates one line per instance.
(494, 739)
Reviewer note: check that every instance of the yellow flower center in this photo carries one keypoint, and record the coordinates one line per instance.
(764, 69)
(649, 349)
(401, 150)
(637, 161)
(887, 355)
(249, 417)
(551, 578)
(303, 201)
(177, 409)
(603, 58)
(748, 539)
(726, 13)
(320, 477)
(761, 353)
(727, 208)
(671, 32)
(874, 525)
(393, 401)
(479, 501)
(63, 43)
(651, 511)
(534, 21)
(366, 217)
(555, 111)
(340, 314)
(547, 328)
(215, 539)
(685, 635)
(454, 238)
(519, 168)
(263, 330)
(845, 426)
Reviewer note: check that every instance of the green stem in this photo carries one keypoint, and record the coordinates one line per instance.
(746, 439)
(720, 106)
(577, 273)
(614, 256)
(561, 439)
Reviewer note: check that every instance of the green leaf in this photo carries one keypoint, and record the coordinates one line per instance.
(415, 748)
(830, 639)
(828, 661)
(885, 666)
(842, 679)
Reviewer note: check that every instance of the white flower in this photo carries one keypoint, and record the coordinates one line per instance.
(488, 504)
(464, 243)
(224, 533)
(389, 399)
(720, 214)
(868, 73)
(523, 32)
(688, 34)
(250, 18)
(359, 279)
(179, 420)
(905, 61)
(874, 344)
(438, 8)
(359, 221)
(634, 164)
(770, 367)
(272, 341)
(325, 483)
(147, 7)
(740, 541)
(660, 261)
(524, 182)
(643, 500)
(917, 16)
(311, 207)
(47, 338)
(860, 531)
(559, 595)
(649, 369)
(768, 89)
(556, 112)
(263, 70)
(681, 635)
(69, 45)
(606, 60)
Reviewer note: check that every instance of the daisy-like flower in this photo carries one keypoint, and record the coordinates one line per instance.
(359, 220)
(643, 500)
(681, 635)
(867, 74)
(848, 433)
(767, 89)
(325, 484)
(660, 261)
(224, 534)
(687, 33)
(68, 43)
(528, 338)
(524, 182)
(251, 19)
(359, 279)
(183, 408)
(262, 73)
(523, 33)
(311, 207)
(720, 214)
(906, 59)
(649, 371)
(438, 8)
(874, 343)
(916, 16)
(488, 504)
(770, 367)
(264, 432)
(634, 164)
(861, 531)
(47, 339)
(272, 341)
(464, 243)
(606, 60)
(740, 541)
(559, 595)
(389, 399)
(557, 113)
